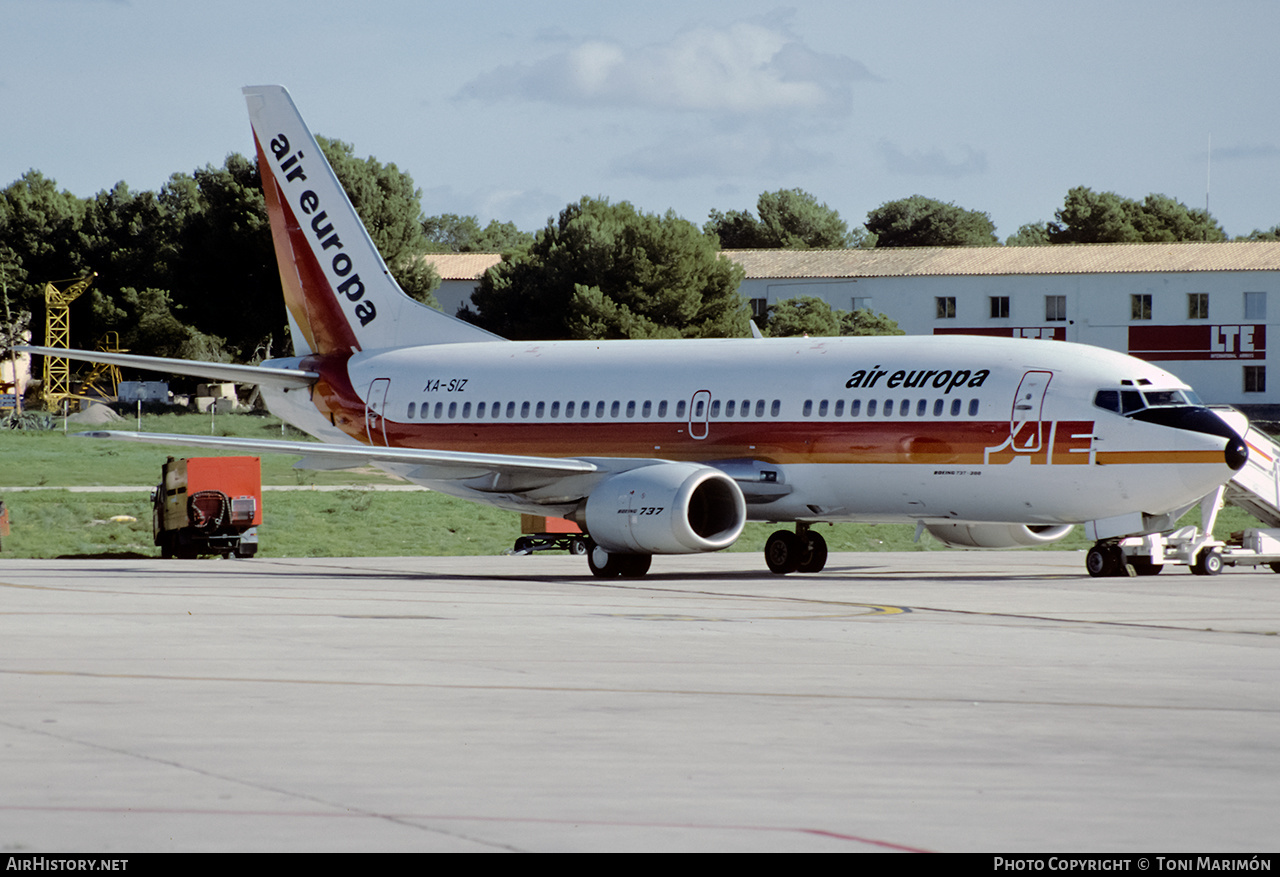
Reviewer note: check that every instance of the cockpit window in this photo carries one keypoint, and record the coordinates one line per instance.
(1129, 401)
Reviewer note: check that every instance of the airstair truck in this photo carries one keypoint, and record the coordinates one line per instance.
(1255, 488)
(208, 505)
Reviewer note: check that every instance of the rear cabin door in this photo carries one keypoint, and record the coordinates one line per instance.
(375, 420)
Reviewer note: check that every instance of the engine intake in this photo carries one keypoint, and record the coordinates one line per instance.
(995, 535)
(665, 508)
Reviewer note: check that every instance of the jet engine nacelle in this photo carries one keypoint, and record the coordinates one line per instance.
(665, 508)
(995, 535)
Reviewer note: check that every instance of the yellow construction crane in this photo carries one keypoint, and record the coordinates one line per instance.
(57, 369)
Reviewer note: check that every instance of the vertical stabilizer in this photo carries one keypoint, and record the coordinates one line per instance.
(337, 289)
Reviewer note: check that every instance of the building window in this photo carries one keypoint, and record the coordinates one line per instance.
(1197, 306)
(1055, 308)
(1140, 307)
(999, 306)
(946, 306)
(1255, 379)
(1255, 305)
(862, 303)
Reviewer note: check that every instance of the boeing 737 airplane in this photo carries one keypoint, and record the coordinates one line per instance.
(669, 447)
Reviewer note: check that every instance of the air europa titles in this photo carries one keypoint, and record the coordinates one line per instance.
(945, 380)
(341, 265)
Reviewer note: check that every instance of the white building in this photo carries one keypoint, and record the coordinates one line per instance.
(1201, 310)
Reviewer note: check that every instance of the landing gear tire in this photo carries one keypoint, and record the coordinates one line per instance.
(1144, 567)
(815, 553)
(1208, 563)
(784, 552)
(1104, 560)
(606, 565)
(578, 547)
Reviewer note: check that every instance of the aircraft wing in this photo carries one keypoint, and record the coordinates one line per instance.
(283, 378)
(443, 465)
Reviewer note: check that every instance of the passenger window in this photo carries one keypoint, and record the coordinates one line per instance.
(480, 411)
(715, 407)
(955, 407)
(937, 407)
(822, 408)
(662, 408)
(776, 408)
(568, 410)
(728, 407)
(453, 410)
(921, 407)
(511, 411)
(540, 410)
(808, 407)
(524, 410)
(973, 407)
(905, 408)
(888, 407)
(466, 410)
(855, 405)
(439, 410)
(760, 408)
(680, 409)
(555, 410)
(600, 409)
(871, 407)
(839, 412)
(413, 406)
(646, 409)
(614, 408)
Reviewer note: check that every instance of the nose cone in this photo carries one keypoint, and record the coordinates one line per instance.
(1237, 453)
(1204, 421)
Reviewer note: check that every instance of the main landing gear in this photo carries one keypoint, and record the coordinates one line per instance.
(801, 551)
(607, 565)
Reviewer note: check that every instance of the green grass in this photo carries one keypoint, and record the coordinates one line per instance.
(345, 523)
(34, 459)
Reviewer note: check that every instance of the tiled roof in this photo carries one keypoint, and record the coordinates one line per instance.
(959, 261)
(462, 266)
(1061, 259)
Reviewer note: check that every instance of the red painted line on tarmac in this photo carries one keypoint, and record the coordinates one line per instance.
(819, 832)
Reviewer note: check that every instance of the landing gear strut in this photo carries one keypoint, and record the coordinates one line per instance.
(801, 551)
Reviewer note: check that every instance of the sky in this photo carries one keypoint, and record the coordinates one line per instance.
(511, 110)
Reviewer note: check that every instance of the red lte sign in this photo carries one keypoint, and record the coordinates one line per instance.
(1154, 343)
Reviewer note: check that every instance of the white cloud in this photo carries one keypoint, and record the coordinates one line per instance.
(744, 68)
(932, 163)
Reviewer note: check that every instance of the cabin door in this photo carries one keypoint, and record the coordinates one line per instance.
(375, 421)
(1026, 426)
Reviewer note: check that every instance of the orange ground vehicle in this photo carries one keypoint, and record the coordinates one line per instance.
(208, 505)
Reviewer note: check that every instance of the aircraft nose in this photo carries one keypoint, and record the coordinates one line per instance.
(1204, 421)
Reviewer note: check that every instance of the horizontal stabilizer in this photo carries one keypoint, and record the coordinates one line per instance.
(283, 378)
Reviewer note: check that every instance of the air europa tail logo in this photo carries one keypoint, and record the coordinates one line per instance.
(340, 267)
(945, 380)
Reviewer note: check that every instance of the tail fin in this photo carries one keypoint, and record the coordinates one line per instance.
(337, 289)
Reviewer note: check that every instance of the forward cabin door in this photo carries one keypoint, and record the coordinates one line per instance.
(1026, 426)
